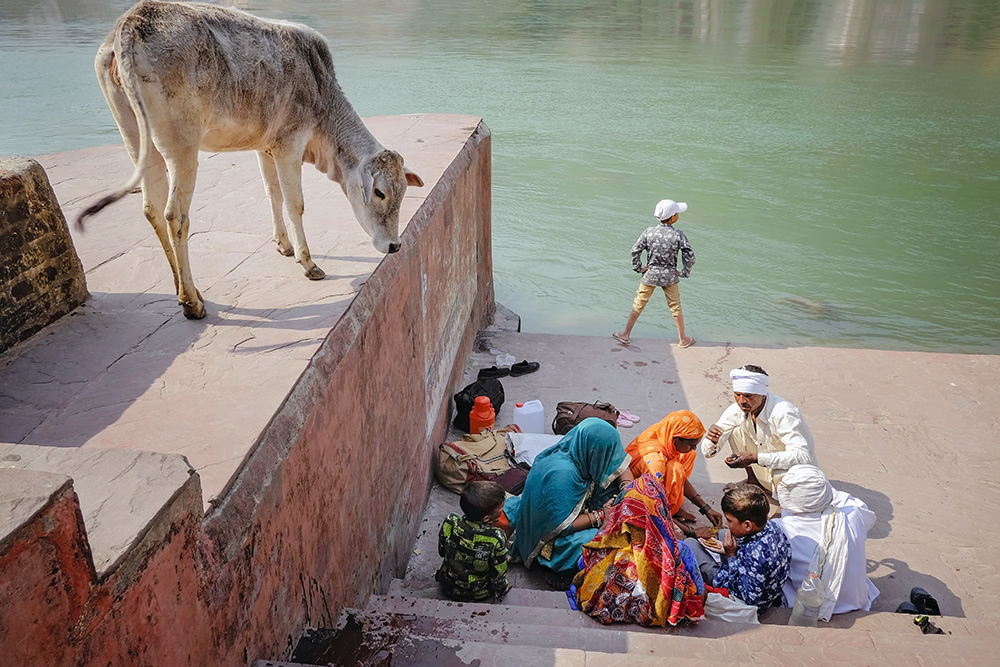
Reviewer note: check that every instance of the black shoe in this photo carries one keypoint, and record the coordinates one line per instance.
(493, 372)
(924, 602)
(523, 368)
(906, 607)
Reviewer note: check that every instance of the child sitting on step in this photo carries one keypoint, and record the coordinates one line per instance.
(756, 554)
(474, 548)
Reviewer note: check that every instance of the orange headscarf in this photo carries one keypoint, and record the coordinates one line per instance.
(654, 452)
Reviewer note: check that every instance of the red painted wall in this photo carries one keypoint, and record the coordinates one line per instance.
(326, 508)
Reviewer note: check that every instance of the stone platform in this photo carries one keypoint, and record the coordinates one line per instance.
(219, 467)
(126, 372)
(906, 432)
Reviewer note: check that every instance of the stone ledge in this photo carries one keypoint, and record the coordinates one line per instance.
(123, 494)
(24, 495)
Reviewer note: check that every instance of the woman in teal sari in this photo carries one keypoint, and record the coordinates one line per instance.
(560, 508)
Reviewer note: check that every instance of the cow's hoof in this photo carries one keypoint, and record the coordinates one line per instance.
(195, 311)
(287, 250)
(315, 273)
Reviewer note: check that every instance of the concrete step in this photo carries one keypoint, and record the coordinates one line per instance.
(377, 638)
(517, 597)
(413, 651)
(551, 629)
(521, 597)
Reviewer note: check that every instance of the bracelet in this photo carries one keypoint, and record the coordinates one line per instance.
(705, 509)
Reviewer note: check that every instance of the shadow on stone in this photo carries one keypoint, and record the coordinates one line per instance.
(895, 587)
(877, 502)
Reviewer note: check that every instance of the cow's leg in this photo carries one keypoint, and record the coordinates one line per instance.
(289, 168)
(154, 202)
(106, 66)
(182, 168)
(273, 191)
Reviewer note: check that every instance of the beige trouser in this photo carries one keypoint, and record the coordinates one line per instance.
(673, 293)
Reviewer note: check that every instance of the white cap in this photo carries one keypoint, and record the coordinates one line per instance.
(668, 207)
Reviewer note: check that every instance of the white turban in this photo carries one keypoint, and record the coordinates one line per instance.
(804, 489)
(748, 382)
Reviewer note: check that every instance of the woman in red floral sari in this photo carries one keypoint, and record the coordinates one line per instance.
(635, 570)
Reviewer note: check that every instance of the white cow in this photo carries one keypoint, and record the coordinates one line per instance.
(180, 77)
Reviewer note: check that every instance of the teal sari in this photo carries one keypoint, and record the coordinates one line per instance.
(571, 476)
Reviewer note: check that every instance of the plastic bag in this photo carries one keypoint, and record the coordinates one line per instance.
(732, 610)
(808, 599)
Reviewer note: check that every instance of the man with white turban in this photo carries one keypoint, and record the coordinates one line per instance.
(766, 433)
(827, 530)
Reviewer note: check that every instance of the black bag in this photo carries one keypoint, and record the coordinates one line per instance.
(571, 413)
(513, 480)
(465, 399)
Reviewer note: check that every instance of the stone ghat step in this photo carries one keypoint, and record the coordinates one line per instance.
(378, 631)
(427, 589)
(429, 652)
(517, 597)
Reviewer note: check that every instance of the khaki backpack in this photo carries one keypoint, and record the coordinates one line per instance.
(476, 456)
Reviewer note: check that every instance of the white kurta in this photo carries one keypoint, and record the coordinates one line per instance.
(805, 531)
(779, 436)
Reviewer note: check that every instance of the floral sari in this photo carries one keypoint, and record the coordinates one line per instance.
(635, 570)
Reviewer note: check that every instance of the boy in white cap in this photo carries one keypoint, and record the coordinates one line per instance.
(766, 433)
(662, 243)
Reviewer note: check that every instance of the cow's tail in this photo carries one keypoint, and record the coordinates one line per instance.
(125, 55)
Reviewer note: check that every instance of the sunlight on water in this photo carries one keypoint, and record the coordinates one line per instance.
(841, 159)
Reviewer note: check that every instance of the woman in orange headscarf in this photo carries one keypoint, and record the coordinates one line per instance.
(667, 451)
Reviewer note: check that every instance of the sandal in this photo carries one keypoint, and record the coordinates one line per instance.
(523, 368)
(620, 339)
(628, 415)
(493, 372)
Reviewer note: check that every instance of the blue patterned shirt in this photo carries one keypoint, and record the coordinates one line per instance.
(759, 569)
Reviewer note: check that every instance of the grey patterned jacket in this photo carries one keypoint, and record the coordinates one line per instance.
(662, 243)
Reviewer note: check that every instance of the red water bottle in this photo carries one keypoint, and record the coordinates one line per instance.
(482, 414)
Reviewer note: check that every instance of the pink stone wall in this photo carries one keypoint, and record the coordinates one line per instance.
(327, 506)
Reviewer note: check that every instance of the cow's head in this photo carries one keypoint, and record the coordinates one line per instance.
(375, 189)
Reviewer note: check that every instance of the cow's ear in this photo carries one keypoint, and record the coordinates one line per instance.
(367, 182)
(413, 179)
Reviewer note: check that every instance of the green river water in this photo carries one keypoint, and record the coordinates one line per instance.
(841, 158)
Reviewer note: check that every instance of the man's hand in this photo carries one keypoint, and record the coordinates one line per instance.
(714, 433)
(729, 545)
(741, 460)
(644, 269)
(714, 517)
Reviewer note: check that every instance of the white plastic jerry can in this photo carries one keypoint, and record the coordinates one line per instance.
(530, 417)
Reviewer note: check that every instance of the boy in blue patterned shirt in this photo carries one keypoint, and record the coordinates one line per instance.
(473, 548)
(756, 554)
